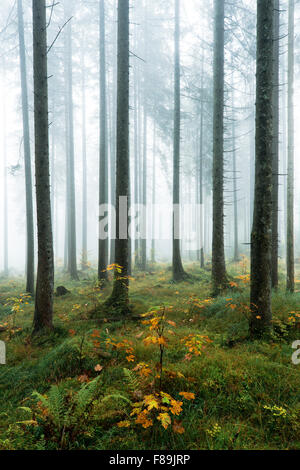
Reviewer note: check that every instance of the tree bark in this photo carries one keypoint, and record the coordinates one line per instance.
(72, 251)
(103, 173)
(84, 256)
(153, 195)
(178, 271)
(219, 276)
(236, 254)
(261, 237)
(27, 158)
(119, 299)
(275, 202)
(201, 228)
(45, 273)
(290, 283)
(5, 194)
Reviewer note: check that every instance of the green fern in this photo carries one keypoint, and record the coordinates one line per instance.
(132, 380)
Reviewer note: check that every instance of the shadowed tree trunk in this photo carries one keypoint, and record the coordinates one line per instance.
(45, 273)
(219, 276)
(103, 191)
(275, 208)
(290, 283)
(119, 299)
(27, 158)
(178, 271)
(261, 237)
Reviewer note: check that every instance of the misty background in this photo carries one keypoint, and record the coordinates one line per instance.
(151, 88)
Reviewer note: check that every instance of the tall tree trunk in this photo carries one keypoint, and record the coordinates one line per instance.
(103, 191)
(290, 283)
(178, 271)
(84, 256)
(119, 298)
(144, 166)
(284, 153)
(136, 167)
(219, 276)
(5, 193)
(27, 157)
(201, 226)
(261, 239)
(235, 189)
(45, 273)
(72, 261)
(275, 202)
(153, 194)
(113, 132)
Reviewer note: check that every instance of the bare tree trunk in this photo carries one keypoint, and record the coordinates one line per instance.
(153, 195)
(5, 195)
(290, 283)
(144, 199)
(178, 271)
(236, 254)
(27, 157)
(45, 273)
(261, 239)
(119, 299)
(201, 228)
(84, 256)
(275, 202)
(103, 190)
(113, 135)
(219, 276)
(136, 166)
(72, 261)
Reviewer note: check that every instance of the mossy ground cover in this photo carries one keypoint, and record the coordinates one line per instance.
(246, 395)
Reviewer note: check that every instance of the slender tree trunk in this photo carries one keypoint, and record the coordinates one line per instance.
(5, 194)
(45, 273)
(52, 181)
(103, 191)
(284, 153)
(119, 298)
(236, 254)
(136, 166)
(290, 283)
(72, 261)
(84, 257)
(261, 239)
(275, 202)
(27, 157)
(153, 195)
(144, 199)
(113, 135)
(219, 276)
(178, 271)
(201, 228)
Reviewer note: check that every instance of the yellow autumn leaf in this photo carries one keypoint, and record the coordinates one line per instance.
(187, 395)
(165, 419)
(123, 424)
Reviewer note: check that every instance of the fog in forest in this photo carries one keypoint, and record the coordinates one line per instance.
(73, 69)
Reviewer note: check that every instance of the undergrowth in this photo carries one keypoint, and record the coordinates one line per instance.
(180, 373)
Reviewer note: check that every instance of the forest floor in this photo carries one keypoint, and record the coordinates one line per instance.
(94, 383)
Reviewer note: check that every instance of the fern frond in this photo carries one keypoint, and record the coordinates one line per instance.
(132, 380)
